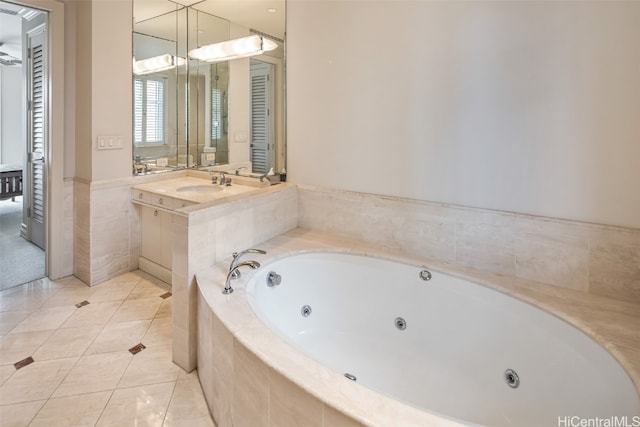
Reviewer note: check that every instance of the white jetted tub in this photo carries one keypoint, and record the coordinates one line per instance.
(440, 343)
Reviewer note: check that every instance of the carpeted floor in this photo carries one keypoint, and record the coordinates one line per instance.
(20, 261)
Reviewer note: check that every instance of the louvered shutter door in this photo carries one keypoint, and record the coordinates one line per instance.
(37, 135)
(38, 131)
(259, 121)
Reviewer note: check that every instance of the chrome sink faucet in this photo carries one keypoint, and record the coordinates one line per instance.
(227, 284)
(236, 260)
(214, 178)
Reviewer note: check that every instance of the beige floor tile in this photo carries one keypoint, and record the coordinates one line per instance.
(22, 303)
(149, 288)
(11, 319)
(5, 372)
(41, 320)
(159, 332)
(67, 343)
(36, 381)
(94, 373)
(94, 314)
(119, 336)
(113, 290)
(188, 407)
(137, 309)
(137, 406)
(69, 296)
(76, 411)
(45, 319)
(15, 347)
(193, 375)
(71, 282)
(29, 297)
(165, 309)
(203, 421)
(19, 414)
(150, 366)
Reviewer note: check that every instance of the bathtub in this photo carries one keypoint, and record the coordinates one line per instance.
(438, 343)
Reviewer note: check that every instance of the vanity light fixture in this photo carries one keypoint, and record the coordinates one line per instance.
(156, 63)
(233, 49)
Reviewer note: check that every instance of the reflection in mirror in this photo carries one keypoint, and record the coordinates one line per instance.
(213, 113)
(157, 66)
(208, 93)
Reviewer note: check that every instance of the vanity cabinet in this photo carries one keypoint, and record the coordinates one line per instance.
(159, 202)
(155, 230)
(156, 246)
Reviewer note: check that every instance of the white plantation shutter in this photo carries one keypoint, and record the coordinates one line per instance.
(37, 129)
(259, 122)
(149, 96)
(216, 114)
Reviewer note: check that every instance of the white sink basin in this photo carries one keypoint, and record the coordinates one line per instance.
(200, 189)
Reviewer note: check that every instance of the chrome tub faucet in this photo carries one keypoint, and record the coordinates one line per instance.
(227, 284)
(236, 260)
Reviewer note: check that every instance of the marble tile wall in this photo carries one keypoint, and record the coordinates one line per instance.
(81, 231)
(207, 235)
(241, 389)
(67, 218)
(104, 225)
(599, 259)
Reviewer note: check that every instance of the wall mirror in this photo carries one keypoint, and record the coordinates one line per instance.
(198, 111)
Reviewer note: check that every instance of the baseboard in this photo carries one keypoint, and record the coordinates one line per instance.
(156, 270)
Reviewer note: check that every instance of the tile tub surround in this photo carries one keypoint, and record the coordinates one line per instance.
(597, 259)
(233, 341)
(206, 233)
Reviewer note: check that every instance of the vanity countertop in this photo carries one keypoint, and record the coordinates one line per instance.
(197, 190)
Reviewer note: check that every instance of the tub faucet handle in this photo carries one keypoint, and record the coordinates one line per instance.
(236, 259)
(227, 284)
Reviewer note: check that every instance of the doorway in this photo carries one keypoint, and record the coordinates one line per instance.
(24, 140)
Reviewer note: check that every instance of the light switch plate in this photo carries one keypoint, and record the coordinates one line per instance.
(242, 136)
(110, 142)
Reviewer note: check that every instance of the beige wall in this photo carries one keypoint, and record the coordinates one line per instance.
(103, 88)
(527, 107)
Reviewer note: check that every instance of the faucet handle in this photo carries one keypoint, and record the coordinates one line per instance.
(249, 251)
(235, 274)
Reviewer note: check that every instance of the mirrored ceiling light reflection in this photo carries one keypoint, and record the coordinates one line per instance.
(233, 49)
(156, 64)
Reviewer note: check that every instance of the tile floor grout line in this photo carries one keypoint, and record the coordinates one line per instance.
(37, 412)
(98, 334)
(104, 408)
(166, 411)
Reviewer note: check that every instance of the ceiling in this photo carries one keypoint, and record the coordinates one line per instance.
(247, 13)
(10, 30)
